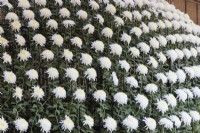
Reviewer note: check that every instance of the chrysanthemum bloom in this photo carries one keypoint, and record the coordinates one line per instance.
(57, 39)
(33, 24)
(162, 106)
(162, 57)
(161, 77)
(137, 15)
(134, 52)
(11, 16)
(193, 52)
(181, 75)
(67, 124)
(142, 100)
(15, 25)
(181, 95)
(154, 43)
(28, 14)
(100, 19)
(152, 26)
(47, 54)
(142, 69)
(118, 21)
(187, 53)
(59, 2)
(68, 23)
(195, 115)
(190, 72)
(24, 4)
(176, 120)
(94, 5)
(52, 73)
(107, 32)
(116, 49)
(124, 65)
(143, 47)
(150, 123)
(86, 59)
(79, 95)
(121, 98)
(166, 123)
(68, 55)
(136, 31)
(172, 55)
(125, 38)
(88, 121)
(32, 74)
(98, 46)
(115, 79)
(59, 92)
(171, 100)
(111, 9)
(196, 91)
(132, 81)
(76, 41)
(110, 124)
(99, 95)
(18, 93)
(162, 40)
(144, 28)
(171, 38)
(9, 77)
(72, 73)
(127, 15)
(152, 61)
(45, 13)
(172, 77)
(185, 118)
(91, 74)
(20, 40)
(3, 125)
(52, 24)
(131, 123)
(38, 93)
(1, 30)
(24, 55)
(64, 12)
(189, 93)
(41, 2)
(146, 13)
(89, 28)
(82, 14)
(45, 125)
(7, 58)
(105, 62)
(75, 2)
(39, 39)
(21, 124)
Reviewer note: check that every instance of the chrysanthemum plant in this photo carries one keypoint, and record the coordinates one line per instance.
(98, 66)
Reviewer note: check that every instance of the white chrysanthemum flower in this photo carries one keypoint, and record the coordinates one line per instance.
(146, 13)
(28, 14)
(15, 25)
(189, 93)
(3, 41)
(59, 92)
(57, 39)
(52, 73)
(21, 124)
(180, 53)
(172, 55)
(179, 38)
(168, 24)
(152, 61)
(72, 73)
(172, 77)
(110, 124)
(45, 125)
(166, 123)
(33, 24)
(68, 23)
(118, 21)
(64, 12)
(47, 54)
(154, 43)
(132, 81)
(195, 115)
(45, 13)
(39, 39)
(75, 2)
(111, 9)
(9, 77)
(116, 49)
(127, 15)
(82, 14)
(196, 71)
(161, 24)
(161, 77)
(136, 31)
(162, 40)
(88, 121)
(115, 79)
(185, 118)
(137, 15)
(187, 53)
(181, 75)
(99, 95)
(124, 65)
(105, 62)
(171, 100)
(121, 98)
(190, 72)
(100, 19)
(67, 124)
(18, 93)
(142, 69)
(176, 120)
(125, 38)
(89, 28)
(131, 123)
(143, 47)
(24, 4)
(94, 5)
(38, 93)
(98, 45)
(3, 125)
(41, 2)
(107, 32)
(196, 92)
(91, 73)
(52, 24)
(193, 52)
(150, 123)
(32, 74)
(24, 55)
(144, 27)
(20, 40)
(86, 59)
(68, 55)
(152, 26)
(134, 52)
(142, 100)
(7, 58)
(181, 95)
(151, 88)
(79, 95)
(1, 30)
(171, 38)
(162, 57)
(59, 2)
(76, 41)
(11, 16)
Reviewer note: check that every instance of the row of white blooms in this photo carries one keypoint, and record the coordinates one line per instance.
(130, 122)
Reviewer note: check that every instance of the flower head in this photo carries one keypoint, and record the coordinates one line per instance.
(3, 125)
(107, 32)
(45, 125)
(132, 81)
(131, 123)
(82, 14)
(142, 100)
(76, 41)
(18, 93)
(45, 13)
(98, 45)
(9, 77)
(67, 124)
(99, 95)
(91, 73)
(110, 124)
(88, 121)
(24, 55)
(105, 62)
(79, 95)
(142, 69)
(52, 73)
(39, 39)
(59, 92)
(72, 73)
(32, 74)
(7, 58)
(150, 123)
(121, 98)
(38, 93)
(125, 38)
(57, 39)
(21, 124)
(47, 54)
